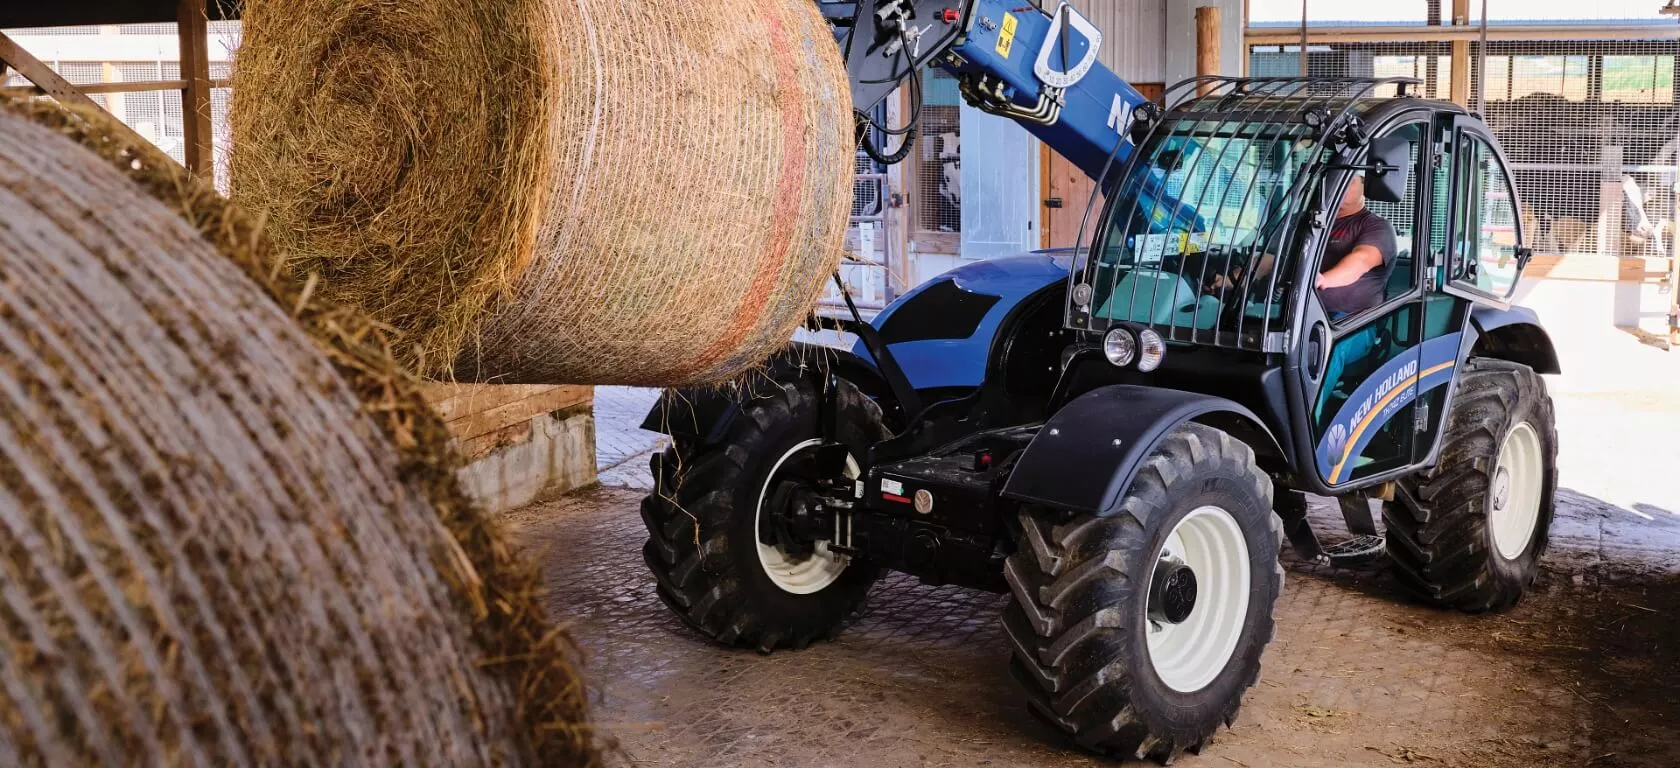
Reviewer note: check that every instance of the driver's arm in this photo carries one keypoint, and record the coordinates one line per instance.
(1262, 268)
(1361, 260)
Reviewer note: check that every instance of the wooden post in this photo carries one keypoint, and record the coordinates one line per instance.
(108, 73)
(1673, 300)
(191, 26)
(1207, 46)
(1460, 84)
(901, 268)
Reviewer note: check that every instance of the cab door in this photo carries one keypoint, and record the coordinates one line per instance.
(1476, 257)
(1487, 257)
(1362, 371)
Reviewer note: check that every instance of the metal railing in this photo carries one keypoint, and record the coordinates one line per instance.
(866, 269)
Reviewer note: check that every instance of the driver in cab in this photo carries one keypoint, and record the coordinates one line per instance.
(1357, 260)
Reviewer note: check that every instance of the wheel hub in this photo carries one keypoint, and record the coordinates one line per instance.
(790, 525)
(785, 514)
(1515, 491)
(1501, 489)
(1198, 599)
(1172, 592)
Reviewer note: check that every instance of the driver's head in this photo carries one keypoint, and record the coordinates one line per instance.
(1353, 201)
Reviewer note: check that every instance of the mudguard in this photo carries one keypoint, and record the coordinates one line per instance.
(703, 414)
(1513, 334)
(1085, 456)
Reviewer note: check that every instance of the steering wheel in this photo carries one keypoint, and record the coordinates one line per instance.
(1235, 300)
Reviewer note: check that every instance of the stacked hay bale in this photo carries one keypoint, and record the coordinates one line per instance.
(553, 191)
(229, 529)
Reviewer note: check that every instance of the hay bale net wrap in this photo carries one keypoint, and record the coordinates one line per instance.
(553, 191)
(225, 541)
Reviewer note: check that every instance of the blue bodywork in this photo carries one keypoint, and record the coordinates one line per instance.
(1098, 112)
(939, 363)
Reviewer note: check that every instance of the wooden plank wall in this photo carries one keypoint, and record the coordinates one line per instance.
(486, 417)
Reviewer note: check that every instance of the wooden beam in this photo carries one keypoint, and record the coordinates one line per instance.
(191, 27)
(1460, 87)
(94, 89)
(1045, 212)
(42, 75)
(1207, 46)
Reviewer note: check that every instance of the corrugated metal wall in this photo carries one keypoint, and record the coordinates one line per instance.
(1133, 31)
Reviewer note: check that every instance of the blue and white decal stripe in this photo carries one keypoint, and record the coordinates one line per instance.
(1391, 388)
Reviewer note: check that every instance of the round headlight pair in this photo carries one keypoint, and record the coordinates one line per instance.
(1121, 346)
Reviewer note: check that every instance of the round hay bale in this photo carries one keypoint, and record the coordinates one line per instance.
(229, 527)
(553, 191)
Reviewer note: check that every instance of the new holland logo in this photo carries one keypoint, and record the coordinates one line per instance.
(1338, 439)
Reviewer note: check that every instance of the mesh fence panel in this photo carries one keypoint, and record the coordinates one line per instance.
(1429, 62)
(1590, 127)
(939, 172)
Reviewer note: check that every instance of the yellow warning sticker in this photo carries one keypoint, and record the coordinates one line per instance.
(1006, 36)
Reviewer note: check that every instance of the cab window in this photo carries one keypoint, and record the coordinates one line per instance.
(1485, 253)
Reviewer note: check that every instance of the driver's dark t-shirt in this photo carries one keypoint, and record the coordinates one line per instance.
(1350, 232)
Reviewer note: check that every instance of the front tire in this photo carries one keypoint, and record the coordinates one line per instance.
(704, 547)
(1102, 651)
(1468, 533)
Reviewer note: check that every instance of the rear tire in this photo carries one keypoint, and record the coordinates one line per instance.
(1468, 533)
(703, 547)
(1079, 621)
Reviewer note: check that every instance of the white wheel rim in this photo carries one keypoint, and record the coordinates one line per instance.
(1514, 493)
(1187, 656)
(801, 576)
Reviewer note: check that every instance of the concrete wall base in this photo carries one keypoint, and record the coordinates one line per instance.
(521, 443)
(557, 456)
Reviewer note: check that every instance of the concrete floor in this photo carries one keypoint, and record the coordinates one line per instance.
(1583, 673)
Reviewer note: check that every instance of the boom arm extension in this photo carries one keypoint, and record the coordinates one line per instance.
(1010, 58)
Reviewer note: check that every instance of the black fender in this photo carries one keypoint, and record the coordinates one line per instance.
(1513, 334)
(702, 415)
(1086, 455)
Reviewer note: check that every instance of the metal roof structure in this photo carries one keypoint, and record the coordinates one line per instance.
(84, 12)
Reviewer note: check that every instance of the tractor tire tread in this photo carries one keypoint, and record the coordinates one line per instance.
(1439, 545)
(1071, 645)
(688, 517)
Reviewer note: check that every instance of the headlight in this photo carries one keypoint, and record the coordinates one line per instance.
(1120, 347)
(1152, 349)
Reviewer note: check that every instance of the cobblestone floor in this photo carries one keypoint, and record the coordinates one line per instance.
(622, 447)
(1356, 676)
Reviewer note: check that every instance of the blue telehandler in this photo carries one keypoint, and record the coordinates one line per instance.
(1121, 436)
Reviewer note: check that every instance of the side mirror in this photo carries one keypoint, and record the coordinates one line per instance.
(1388, 169)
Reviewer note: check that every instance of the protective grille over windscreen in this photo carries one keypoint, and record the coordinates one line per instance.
(1202, 243)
